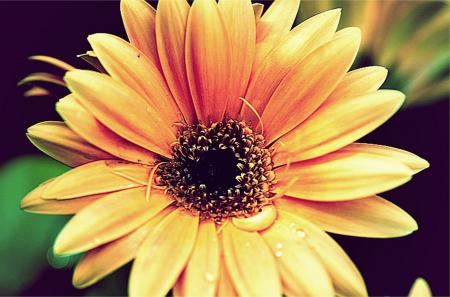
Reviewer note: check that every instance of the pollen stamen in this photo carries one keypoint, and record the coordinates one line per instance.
(253, 109)
(219, 171)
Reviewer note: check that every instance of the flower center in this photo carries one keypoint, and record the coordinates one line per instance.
(219, 171)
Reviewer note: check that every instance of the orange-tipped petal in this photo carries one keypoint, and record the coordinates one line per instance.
(292, 49)
(122, 109)
(107, 219)
(163, 255)
(366, 217)
(101, 261)
(299, 266)
(412, 161)
(250, 263)
(61, 143)
(127, 64)
(341, 175)
(201, 275)
(171, 22)
(208, 60)
(359, 82)
(239, 20)
(33, 202)
(346, 278)
(86, 125)
(309, 83)
(139, 20)
(337, 124)
(95, 178)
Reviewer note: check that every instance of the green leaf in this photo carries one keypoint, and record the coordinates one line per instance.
(24, 238)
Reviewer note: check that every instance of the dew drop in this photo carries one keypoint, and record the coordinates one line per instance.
(300, 233)
(209, 277)
(247, 244)
(293, 225)
(279, 245)
(278, 254)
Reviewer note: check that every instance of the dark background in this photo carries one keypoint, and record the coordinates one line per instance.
(389, 266)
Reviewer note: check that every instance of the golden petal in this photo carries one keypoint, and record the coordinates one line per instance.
(346, 278)
(337, 124)
(342, 175)
(107, 219)
(292, 49)
(61, 143)
(139, 20)
(171, 23)
(86, 125)
(366, 217)
(128, 65)
(250, 263)
(122, 110)
(96, 178)
(318, 75)
(239, 20)
(200, 278)
(208, 60)
(299, 266)
(103, 260)
(163, 255)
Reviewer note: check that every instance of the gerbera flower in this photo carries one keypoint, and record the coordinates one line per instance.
(411, 38)
(217, 149)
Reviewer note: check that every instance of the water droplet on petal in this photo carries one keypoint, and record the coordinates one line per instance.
(300, 233)
(260, 221)
(278, 254)
(247, 244)
(279, 245)
(209, 277)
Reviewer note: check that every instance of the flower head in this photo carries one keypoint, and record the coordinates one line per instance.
(217, 148)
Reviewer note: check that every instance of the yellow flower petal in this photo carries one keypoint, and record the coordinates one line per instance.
(414, 162)
(359, 82)
(163, 255)
(292, 49)
(337, 124)
(309, 83)
(346, 278)
(208, 57)
(239, 19)
(61, 143)
(42, 77)
(250, 263)
(139, 21)
(366, 217)
(275, 23)
(52, 61)
(299, 266)
(342, 175)
(201, 275)
(127, 64)
(101, 261)
(171, 22)
(33, 202)
(86, 125)
(107, 219)
(225, 285)
(95, 178)
(122, 110)
(420, 288)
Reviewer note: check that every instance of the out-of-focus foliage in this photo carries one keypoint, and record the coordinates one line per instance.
(24, 238)
(410, 38)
